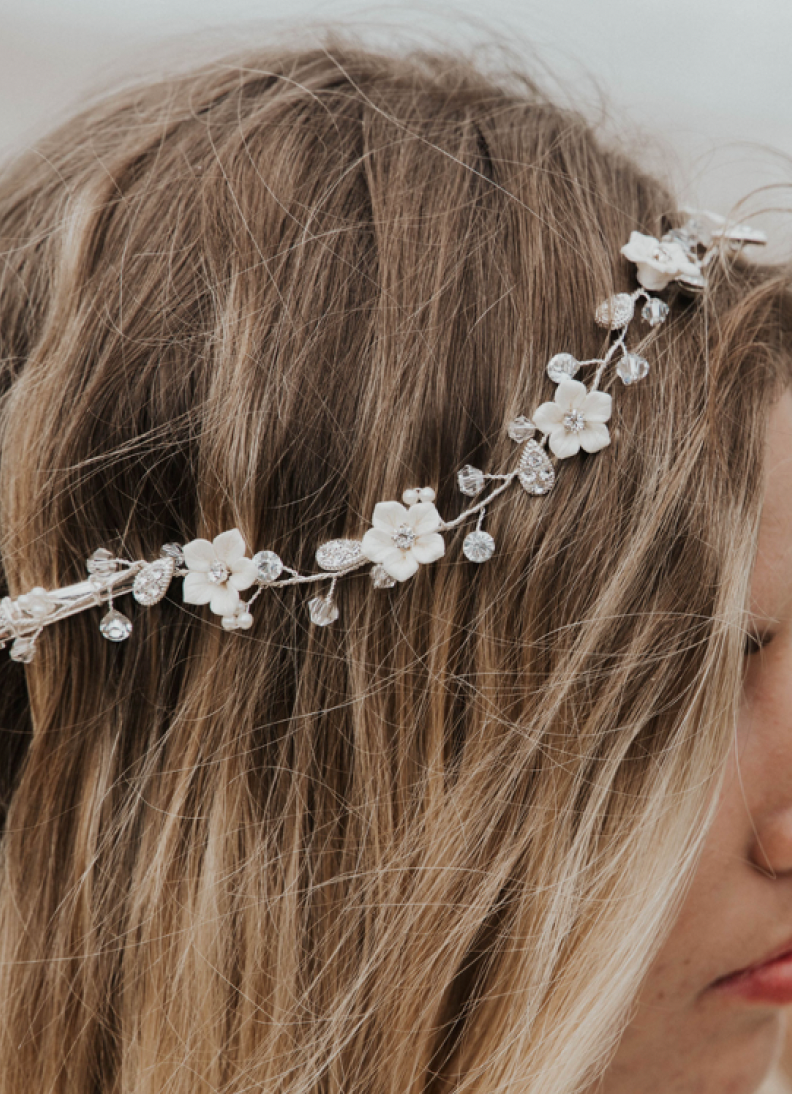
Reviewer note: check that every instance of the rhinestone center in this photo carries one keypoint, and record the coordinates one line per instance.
(218, 572)
(404, 537)
(574, 422)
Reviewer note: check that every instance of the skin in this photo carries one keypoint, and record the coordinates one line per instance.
(685, 1037)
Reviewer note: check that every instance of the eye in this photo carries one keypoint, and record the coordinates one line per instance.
(755, 642)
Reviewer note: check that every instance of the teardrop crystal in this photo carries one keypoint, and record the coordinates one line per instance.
(654, 312)
(521, 429)
(323, 611)
(470, 480)
(632, 368)
(102, 563)
(536, 473)
(115, 626)
(380, 578)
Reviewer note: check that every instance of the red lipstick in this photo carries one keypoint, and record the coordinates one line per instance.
(769, 982)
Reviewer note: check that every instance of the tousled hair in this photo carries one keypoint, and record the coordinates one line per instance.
(434, 846)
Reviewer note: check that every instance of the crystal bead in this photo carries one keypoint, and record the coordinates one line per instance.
(115, 626)
(574, 422)
(562, 366)
(269, 566)
(323, 611)
(654, 312)
(631, 368)
(174, 551)
(338, 553)
(536, 473)
(404, 537)
(151, 583)
(380, 578)
(470, 480)
(410, 497)
(615, 312)
(23, 650)
(478, 546)
(102, 563)
(218, 573)
(521, 428)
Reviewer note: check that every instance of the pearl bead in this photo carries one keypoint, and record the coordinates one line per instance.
(244, 621)
(229, 622)
(426, 493)
(410, 497)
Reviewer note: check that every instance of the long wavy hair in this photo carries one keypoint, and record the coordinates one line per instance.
(434, 846)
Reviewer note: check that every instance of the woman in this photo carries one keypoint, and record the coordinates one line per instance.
(486, 829)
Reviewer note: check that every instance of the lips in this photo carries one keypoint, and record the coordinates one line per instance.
(769, 981)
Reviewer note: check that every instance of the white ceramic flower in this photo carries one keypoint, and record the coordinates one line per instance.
(575, 420)
(402, 539)
(658, 263)
(218, 572)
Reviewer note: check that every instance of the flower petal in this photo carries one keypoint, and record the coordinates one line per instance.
(377, 544)
(196, 589)
(571, 394)
(594, 437)
(401, 566)
(547, 417)
(244, 573)
(199, 554)
(423, 517)
(388, 515)
(230, 546)
(598, 406)
(429, 548)
(651, 278)
(225, 600)
(564, 444)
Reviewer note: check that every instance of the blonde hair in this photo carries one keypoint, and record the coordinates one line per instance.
(434, 846)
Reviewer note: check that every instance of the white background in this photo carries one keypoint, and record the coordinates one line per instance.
(700, 89)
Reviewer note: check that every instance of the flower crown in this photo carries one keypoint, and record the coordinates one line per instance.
(408, 534)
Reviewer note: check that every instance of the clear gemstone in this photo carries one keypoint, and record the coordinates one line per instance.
(615, 312)
(174, 551)
(404, 537)
(323, 611)
(654, 311)
(269, 566)
(151, 584)
(380, 578)
(536, 473)
(23, 650)
(338, 553)
(478, 546)
(574, 422)
(102, 562)
(115, 626)
(632, 368)
(470, 480)
(218, 572)
(562, 365)
(522, 428)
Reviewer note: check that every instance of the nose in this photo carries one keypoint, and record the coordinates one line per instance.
(771, 850)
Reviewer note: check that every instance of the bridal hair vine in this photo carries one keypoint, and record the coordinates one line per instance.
(408, 534)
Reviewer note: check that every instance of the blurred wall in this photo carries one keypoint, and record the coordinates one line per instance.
(702, 88)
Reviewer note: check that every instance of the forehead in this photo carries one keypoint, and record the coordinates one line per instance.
(771, 586)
